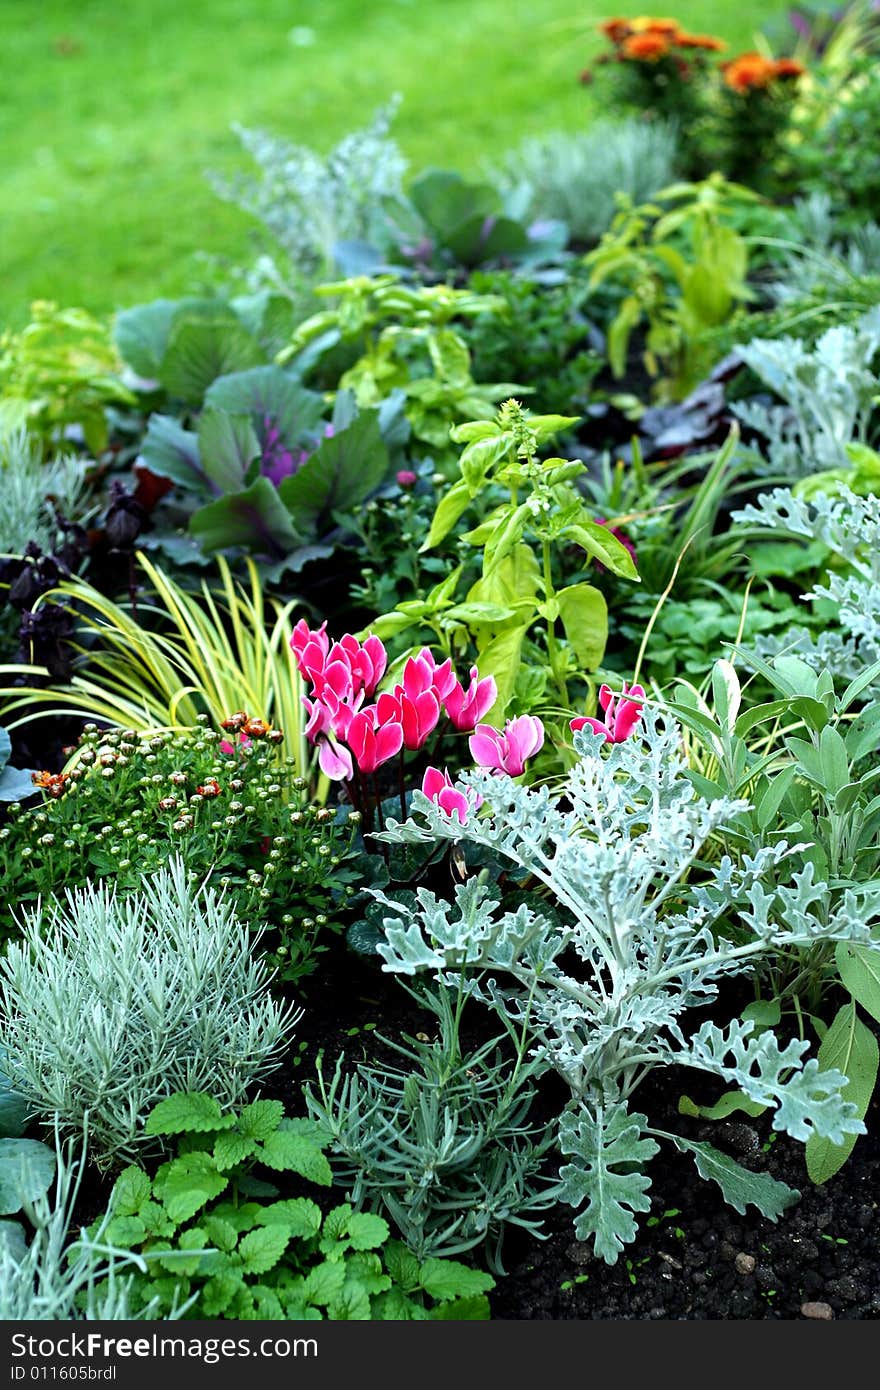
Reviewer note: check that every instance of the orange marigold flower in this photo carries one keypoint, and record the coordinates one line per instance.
(748, 71)
(51, 782)
(706, 41)
(645, 47)
(788, 67)
(211, 788)
(651, 24)
(615, 29)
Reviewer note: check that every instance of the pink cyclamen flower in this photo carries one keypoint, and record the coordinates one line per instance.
(467, 707)
(422, 673)
(417, 715)
(507, 750)
(373, 741)
(622, 713)
(438, 787)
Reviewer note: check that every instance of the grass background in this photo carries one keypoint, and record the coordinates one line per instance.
(110, 113)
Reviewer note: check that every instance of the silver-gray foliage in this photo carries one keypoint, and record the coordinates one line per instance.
(108, 1004)
(25, 484)
(617, 853)
(849, 526)
(828, 394)
(575, 178)
(53, 1276)
(310, 202)
(825, 257)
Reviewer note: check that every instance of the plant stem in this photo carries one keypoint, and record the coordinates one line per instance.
(552, 646)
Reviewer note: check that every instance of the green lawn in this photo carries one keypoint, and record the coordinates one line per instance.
(110, 112)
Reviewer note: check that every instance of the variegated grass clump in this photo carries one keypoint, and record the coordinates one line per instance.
(108, 1004)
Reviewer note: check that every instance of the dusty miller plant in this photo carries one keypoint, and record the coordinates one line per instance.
(828, 392)
(309, 202)
(849, 526)
(618, 854)
(108, 1004)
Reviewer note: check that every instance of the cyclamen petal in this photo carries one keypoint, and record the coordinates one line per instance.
(467, 707)
(508, 751)
(439, 788)
(335, 761)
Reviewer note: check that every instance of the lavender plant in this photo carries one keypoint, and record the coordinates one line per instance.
(617, 852)
(109, 1004)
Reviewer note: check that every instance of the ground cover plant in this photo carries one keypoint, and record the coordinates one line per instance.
(440, 692)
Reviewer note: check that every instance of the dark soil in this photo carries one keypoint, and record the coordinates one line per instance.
(695, 1257)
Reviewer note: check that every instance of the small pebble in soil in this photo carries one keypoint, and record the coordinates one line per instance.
(819, 1311)
(744, 1264)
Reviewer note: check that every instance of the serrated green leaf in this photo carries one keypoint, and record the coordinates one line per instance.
(187, 1112)
(402, 1265)
(324, 1283)
(218, 1294)
(367, 1231)
(131, 1189)
(848, 1046)
(184, 1185)
(739, 1186)
(261, 1118)
(352, 1304)
(220, 1233)
(475, 1309)
(300, 1216)
(231, 1148)
(126, 1231)
(446, 1279)
(295, 1153)
(261, 1249)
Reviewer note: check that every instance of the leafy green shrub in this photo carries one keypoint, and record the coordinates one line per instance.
(577, 178)
(216, 1232)
(109, 1003)
(543, 338)
(814, 780)
(60, 371)
(444, 1143)
(130, 802)
(643, 936)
